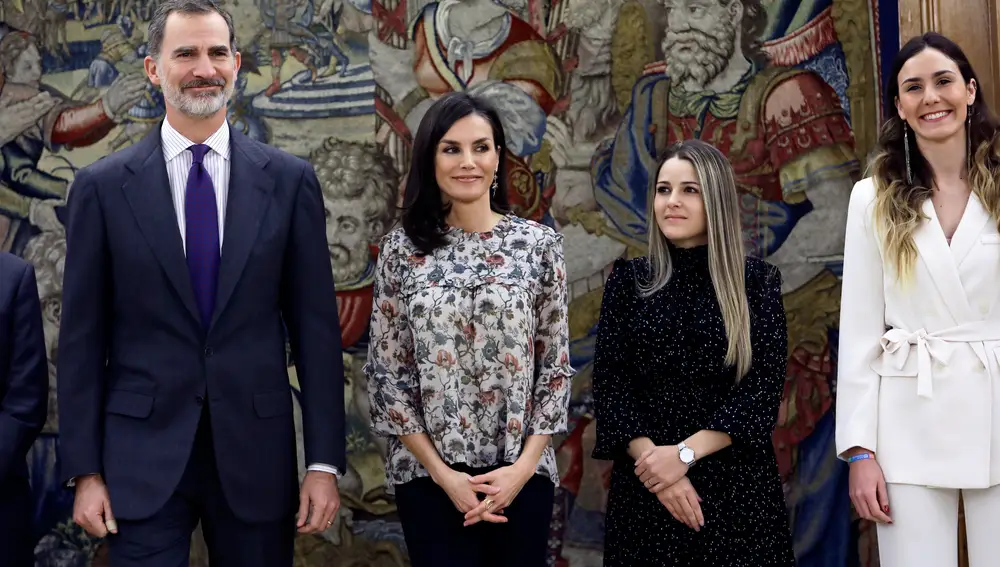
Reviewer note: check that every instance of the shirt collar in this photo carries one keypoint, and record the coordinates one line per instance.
(174, 142)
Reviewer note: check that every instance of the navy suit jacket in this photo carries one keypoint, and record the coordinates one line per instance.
(135, 364)
(24, 371)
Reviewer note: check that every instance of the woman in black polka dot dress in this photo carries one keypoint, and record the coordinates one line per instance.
(689, 368)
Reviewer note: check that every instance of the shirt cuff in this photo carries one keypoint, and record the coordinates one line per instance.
(71, 483)
(321, 467)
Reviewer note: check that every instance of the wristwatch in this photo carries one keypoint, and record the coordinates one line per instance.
(686, 454)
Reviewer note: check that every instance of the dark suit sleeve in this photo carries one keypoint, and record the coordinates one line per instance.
(25, 405)
(309, 307)
(83, 334)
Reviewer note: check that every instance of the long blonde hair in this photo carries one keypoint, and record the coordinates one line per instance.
(726, 257)
(898, 201)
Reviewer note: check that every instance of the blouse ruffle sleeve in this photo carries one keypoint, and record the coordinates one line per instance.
(553, 373)
(393, 380)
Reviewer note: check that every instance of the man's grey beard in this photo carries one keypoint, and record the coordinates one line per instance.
(197, 106)
(708, 55)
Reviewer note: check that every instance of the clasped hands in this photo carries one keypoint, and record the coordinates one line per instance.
(662, 472)
(500, 487)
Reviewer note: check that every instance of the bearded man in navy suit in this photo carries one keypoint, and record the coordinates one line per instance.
(189, 256)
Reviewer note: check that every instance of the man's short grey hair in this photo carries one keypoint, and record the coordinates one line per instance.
(158, 24)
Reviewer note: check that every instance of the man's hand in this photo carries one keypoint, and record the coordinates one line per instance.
(319, 501)
(92, 506)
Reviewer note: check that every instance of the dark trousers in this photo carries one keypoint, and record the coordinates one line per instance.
(17, 545)
(164, 540)
(435, 536)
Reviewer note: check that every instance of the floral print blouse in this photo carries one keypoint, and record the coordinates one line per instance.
(470, 345)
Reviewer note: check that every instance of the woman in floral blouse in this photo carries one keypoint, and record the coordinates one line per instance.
(468, 364)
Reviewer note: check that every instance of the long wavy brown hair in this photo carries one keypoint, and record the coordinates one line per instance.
(898, 203)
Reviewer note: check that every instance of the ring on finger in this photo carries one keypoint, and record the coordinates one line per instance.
(489, 503)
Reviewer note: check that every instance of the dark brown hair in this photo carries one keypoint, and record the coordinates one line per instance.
(898, 201)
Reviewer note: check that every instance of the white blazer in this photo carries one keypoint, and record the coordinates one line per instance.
(918, 364)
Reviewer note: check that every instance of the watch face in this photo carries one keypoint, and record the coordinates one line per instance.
(687, 454)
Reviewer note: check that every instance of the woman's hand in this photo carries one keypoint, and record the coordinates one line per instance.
(683, 503)
(461, 491)
(868, 492)
(660, 467)
(508, 481)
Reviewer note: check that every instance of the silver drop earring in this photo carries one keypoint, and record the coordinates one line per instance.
(968, 141)
(496, 183)
(906, 150)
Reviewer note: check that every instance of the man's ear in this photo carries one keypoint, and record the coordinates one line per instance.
(152, 70)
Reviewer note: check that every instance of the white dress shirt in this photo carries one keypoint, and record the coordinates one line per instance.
(178, 156)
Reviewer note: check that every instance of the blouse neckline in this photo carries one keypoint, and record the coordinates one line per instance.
(502, 225)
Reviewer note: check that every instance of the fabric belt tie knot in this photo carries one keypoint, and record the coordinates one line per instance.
(937, 346)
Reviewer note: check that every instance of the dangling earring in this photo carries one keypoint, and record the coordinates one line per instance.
(968, 142)
(496, 183)
(906, 150)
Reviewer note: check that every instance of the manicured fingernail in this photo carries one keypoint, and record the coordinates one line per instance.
(885, 509)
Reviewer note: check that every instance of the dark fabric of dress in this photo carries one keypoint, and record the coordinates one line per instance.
(659, 372)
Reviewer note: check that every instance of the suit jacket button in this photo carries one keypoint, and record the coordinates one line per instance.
(209, 352)
(199, 400)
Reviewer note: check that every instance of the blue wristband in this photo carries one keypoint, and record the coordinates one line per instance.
(860, 457)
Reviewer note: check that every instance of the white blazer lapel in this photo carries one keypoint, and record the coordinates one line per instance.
(969, 229)
(933, 250)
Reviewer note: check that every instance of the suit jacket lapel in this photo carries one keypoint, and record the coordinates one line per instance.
(148, 195)
(933, 249)
(250, 189)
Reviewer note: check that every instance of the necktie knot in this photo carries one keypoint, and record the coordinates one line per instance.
(198, 152)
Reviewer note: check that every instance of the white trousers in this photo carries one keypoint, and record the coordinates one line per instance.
(924, 532)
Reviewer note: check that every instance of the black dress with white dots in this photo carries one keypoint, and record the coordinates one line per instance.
(659, 372)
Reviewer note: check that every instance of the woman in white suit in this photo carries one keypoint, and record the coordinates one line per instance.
(918, 395)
